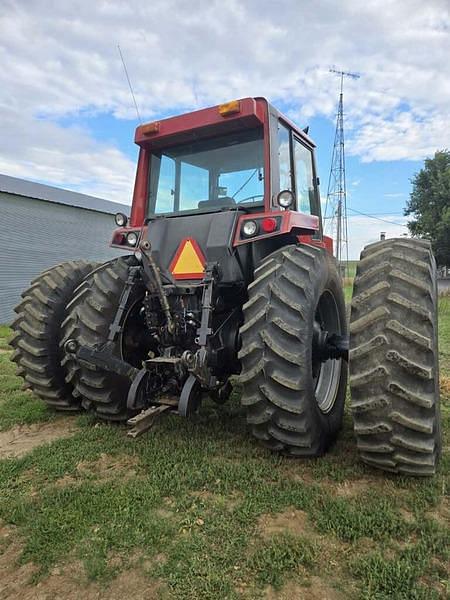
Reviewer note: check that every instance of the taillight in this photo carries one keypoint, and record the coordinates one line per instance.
(118, 238)
(124, 238)
(269, 225)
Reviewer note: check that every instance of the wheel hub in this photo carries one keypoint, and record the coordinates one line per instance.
(326, 345)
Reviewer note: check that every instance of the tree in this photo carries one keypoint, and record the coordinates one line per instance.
(429, 204)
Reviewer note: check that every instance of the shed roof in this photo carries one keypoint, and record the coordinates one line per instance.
(39, 191)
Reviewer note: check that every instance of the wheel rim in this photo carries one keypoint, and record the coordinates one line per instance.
(326, 375)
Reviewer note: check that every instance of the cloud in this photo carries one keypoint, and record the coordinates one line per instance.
(363, 230)
(61, 60)
(67, 157)
(407, 136)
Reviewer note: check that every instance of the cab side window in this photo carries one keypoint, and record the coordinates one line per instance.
(284, 157)
(164, 169)
(304, 182)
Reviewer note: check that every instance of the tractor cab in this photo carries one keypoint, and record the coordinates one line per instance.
(233, 174)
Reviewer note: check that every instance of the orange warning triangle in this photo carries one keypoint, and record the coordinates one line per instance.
(188, 262)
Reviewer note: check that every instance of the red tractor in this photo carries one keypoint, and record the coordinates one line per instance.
(227, 274)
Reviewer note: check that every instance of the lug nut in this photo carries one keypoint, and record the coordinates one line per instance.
(71, 346)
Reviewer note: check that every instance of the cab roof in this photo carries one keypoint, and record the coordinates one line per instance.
(236, 115)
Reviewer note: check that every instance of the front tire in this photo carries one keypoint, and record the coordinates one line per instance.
(394, 370)
(294, 404)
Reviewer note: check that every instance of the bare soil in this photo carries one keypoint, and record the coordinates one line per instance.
(291, 521)
(24, 438)
(65, 583)
(230, 502)
(297, 523)
(105, 468)
(355, 487)
(441, 513)
(317, 589)
(445, 384)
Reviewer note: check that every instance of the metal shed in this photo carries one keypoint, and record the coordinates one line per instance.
(42, 226)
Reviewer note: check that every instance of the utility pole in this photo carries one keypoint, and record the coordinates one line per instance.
(336, 204)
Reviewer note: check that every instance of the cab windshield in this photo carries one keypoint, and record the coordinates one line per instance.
(211, 174)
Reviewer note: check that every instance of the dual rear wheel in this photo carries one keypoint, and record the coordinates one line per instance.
(293, 397)
(294, 401)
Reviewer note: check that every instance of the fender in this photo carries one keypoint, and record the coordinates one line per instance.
(287, 221)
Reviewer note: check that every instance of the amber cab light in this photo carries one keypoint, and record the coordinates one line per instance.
(230, 108)
(150, 128)
(269, 225)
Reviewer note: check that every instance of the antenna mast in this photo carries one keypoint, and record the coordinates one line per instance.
(336, 203)
(129, 84)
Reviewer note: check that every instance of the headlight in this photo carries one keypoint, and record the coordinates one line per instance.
(121, 219)
(249, 228)
(132, 238)
(285, 198)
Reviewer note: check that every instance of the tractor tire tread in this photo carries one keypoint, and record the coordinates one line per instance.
(37, 332)
(88, 318)
(393, 358)
(274, 354)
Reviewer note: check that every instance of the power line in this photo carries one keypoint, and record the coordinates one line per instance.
(398, 214)
(372, 216)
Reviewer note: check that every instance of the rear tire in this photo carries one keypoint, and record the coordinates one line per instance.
(37, 333)
(289, 410)
(394, 371)
(88, 319)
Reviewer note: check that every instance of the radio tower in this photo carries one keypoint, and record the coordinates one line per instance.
(336, 204)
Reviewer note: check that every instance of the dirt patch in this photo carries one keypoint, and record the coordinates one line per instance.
(361, 486)
(204, 495)
(163, 513)
(230, 502)
(317, 589)
(445, 385)
(350, 488)
(291, 521)
(305, 476)
(439, 587)
(105, 468)
(14, 576)
(24, 438)
(407, 515)
(67, 582)
(441, 513)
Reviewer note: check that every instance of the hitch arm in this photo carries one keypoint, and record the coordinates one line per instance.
(100, 358)
(155, 278)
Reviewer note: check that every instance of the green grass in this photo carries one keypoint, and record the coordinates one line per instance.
(17, 407)
(444, 334)
(185, 502)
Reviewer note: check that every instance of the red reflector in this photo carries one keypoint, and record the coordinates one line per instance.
(118, 238)
(268, 225)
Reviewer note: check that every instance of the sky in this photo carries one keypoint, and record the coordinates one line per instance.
(67, 117)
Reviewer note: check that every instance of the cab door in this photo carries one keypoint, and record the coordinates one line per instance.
(305, 182)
